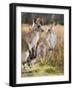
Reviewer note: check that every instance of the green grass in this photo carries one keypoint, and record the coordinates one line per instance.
(40, 69)
(49, 65)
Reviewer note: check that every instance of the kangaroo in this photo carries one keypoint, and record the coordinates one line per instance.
(29, 42)
(51, 37)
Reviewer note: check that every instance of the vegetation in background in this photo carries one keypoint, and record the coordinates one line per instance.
(47, 18)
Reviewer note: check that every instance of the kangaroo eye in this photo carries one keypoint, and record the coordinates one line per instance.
(49, 30)
(38, 26)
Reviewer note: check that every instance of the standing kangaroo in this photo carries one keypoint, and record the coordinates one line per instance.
(29, 42)
(51, 38)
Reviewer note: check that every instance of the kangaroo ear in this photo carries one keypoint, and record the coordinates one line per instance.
(34, 19)
(41, 20)
(41, 23)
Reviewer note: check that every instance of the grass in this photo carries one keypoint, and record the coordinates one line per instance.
(41, 70)
(52, 63)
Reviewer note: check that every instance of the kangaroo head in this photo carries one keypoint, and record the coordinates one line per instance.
(38, 24)
(51, 27)
(49, 30)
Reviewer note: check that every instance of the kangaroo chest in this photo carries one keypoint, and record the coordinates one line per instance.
(52, 40)
(35, 39)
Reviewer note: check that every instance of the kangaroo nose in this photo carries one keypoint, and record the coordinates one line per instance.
(42, 30)
(49, 30)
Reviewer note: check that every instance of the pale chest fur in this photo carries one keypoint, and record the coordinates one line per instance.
(52, 39)
(34, 40)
